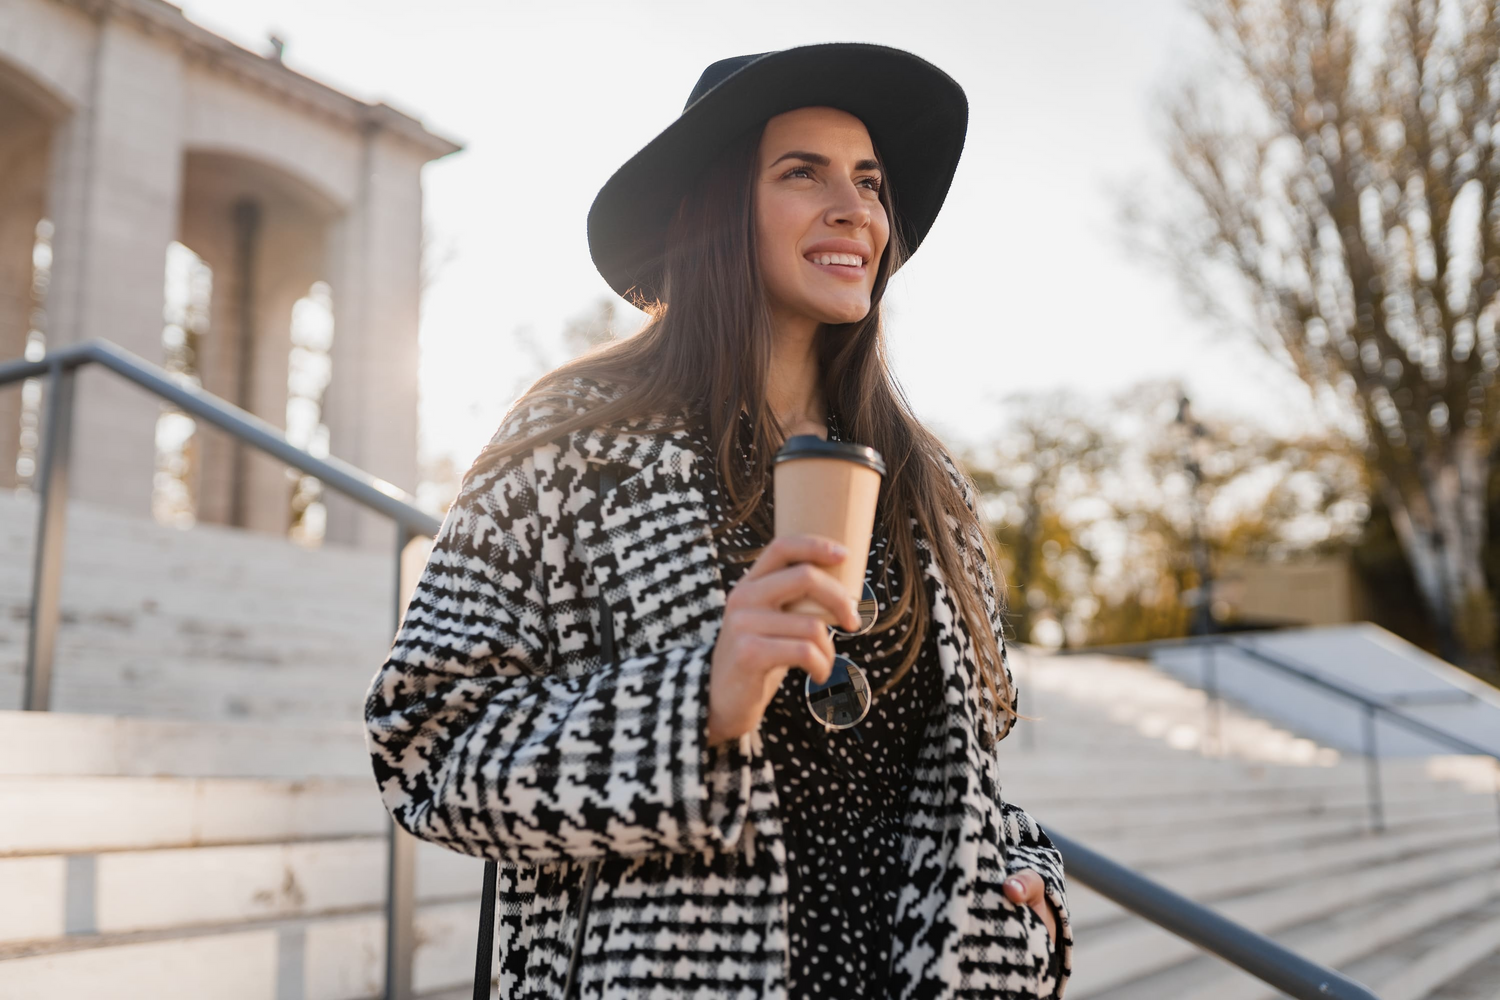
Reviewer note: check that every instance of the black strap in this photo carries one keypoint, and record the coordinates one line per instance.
(485, 958)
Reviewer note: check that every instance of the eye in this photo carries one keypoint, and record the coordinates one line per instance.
(874, 181)
(796, 171)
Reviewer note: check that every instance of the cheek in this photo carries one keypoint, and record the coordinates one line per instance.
(881, 232)
(777, 233)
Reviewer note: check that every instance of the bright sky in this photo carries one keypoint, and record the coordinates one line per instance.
(1023, 283)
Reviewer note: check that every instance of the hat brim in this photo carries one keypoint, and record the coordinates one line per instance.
(916, 115)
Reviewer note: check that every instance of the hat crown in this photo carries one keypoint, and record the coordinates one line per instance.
(717, 73)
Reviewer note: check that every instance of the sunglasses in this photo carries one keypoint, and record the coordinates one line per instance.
(843, 701)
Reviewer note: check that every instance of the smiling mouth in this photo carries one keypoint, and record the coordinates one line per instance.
(847, 261)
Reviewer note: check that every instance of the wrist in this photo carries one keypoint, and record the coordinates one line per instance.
(713, 734)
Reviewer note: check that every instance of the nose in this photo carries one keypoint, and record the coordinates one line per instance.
(848, 207)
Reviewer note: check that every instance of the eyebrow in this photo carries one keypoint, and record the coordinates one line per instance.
(822, 161)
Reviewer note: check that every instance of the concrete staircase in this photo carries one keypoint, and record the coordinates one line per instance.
(1263, 826)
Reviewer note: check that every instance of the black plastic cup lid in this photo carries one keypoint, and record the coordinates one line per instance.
(812, 446)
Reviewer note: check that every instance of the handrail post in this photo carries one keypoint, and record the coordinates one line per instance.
(1213, 708)
(401, 867)
(1372, 771)
(400, 914)
(1497, 789)
(51, 523)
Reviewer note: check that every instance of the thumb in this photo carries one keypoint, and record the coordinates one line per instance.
(1025, 886)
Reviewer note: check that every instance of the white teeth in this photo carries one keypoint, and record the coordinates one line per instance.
(847, 259)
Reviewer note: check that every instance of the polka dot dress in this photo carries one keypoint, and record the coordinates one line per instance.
(842, 795)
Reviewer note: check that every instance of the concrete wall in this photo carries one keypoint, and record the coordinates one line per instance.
(1308, 591)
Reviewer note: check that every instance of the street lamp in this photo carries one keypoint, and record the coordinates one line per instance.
(1203, 615)
(1193, 456)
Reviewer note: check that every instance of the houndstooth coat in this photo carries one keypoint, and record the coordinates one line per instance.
(495, 730)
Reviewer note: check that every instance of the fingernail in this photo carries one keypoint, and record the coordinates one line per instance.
(1015, 884)
(837, 549)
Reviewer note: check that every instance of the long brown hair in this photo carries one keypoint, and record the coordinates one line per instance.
(706, 347)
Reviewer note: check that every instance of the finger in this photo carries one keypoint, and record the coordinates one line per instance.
(769, 652)
(1026, 886)
(790, 549)
(792, 583)
(785, 625)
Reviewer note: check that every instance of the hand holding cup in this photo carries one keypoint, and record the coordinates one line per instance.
(811, 576)
(760, 640)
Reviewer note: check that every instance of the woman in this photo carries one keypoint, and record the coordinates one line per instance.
(670, 820)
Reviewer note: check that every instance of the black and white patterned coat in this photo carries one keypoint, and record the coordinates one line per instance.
(495, 730)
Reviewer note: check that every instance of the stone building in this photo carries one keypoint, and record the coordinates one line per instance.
(127, 127)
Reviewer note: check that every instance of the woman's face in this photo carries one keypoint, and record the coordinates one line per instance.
(820, 228)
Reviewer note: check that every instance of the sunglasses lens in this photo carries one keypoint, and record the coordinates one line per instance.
(844, 699)
(868, 609)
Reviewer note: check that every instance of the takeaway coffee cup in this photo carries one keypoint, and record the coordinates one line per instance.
(828, 488)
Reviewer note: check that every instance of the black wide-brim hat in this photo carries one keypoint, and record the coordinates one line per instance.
(916, 115)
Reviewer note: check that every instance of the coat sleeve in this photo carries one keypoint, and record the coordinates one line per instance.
(1026, 843)
(481, 742)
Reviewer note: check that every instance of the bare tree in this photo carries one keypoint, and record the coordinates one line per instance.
(1351, 195)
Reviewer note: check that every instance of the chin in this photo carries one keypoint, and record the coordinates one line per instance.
(838, 314)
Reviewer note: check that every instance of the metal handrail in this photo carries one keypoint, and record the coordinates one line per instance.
(59, 367)
(1372, 705)
(1260, 956)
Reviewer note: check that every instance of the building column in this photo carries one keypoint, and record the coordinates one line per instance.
(370, 405)
(286, 245)
(116, 171)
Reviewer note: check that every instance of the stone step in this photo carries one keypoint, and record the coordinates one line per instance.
(123, 892)
(1465, 878)
(1415, 967)
(1063, 777)
(83, 815)
(204, 690)
(1342, 938)
(1224, 878)
(104, 549)
(1130, 815)
(337, 957)
(168, 602)
(1152, 850)
(213, 623)
(1274, 826)
(61, 744)
(1480, 981)
(1397, 801)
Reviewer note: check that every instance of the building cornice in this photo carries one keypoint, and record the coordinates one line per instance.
(203, 47)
